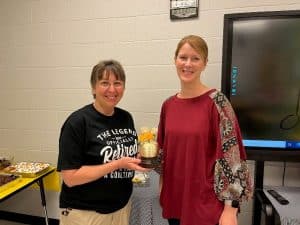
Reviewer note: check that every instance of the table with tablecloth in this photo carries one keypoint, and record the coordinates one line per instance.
(146, 209)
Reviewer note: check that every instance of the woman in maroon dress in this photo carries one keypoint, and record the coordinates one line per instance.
(204, 175)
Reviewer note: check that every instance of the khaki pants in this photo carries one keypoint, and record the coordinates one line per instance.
(86, 217)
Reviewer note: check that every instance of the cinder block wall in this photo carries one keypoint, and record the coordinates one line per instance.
(48, 48)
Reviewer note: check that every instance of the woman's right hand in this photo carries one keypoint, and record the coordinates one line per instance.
(131, 164)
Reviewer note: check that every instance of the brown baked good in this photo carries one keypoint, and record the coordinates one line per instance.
(4, 162)
(6, 178)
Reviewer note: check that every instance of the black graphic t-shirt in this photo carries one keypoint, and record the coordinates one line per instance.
(91, 138)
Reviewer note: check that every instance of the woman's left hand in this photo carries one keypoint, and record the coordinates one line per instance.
(228, 216)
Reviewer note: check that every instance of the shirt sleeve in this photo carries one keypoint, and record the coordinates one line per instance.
(232, 180)
(71, 144)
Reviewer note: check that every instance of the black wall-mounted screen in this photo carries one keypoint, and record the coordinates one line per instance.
(261, 76)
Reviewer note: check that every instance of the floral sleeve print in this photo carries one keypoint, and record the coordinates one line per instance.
(159, 165)
(232, 179)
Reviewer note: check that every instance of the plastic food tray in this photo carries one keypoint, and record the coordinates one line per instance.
(11, 183)
(141, 179)
(28, 169)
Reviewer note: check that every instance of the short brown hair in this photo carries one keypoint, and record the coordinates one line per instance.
(107, 67)
(196, 43)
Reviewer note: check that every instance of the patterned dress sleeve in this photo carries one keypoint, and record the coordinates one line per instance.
(160, 140)
(232, 180)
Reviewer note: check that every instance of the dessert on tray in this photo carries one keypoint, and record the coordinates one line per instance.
(28, 169)
(8, 180)
(4, 162)
(140, 178)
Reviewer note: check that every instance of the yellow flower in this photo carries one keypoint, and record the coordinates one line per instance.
(147, 135)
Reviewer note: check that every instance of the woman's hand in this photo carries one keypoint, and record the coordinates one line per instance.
(90, 173)
(228, 216)
(131, 164)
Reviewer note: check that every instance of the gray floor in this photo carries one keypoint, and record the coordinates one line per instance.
(5, 222)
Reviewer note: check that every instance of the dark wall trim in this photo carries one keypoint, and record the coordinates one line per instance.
(27, 219)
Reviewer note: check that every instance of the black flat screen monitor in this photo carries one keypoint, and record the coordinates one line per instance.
(261, 76)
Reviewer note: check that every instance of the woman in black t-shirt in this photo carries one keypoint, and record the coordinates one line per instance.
(97, 154)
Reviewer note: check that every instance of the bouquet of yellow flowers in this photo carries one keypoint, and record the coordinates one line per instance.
(147, 135)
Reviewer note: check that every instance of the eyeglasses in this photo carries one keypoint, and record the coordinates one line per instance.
(116, 84)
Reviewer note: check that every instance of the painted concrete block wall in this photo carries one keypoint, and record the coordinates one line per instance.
(48, 48)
